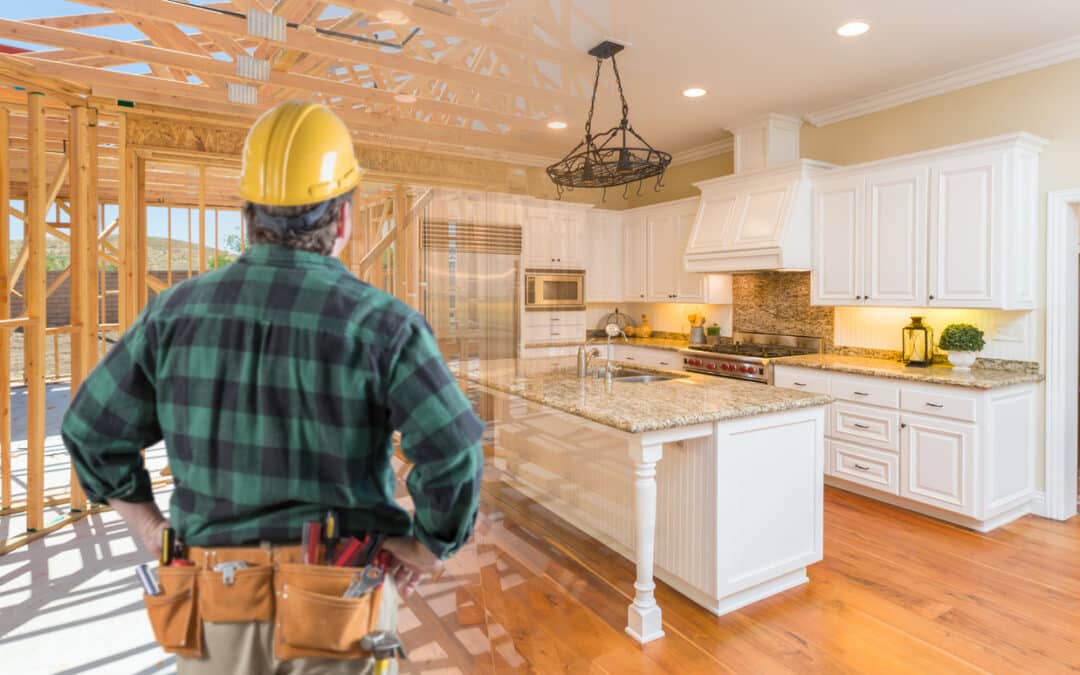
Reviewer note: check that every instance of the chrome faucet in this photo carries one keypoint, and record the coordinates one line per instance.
(612, 330)
(583, 356)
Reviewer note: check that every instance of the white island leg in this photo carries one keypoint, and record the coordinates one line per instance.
(643, 616)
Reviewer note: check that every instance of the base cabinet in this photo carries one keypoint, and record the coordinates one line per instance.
(939, 466)
(962, 455)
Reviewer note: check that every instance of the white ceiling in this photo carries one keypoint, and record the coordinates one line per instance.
(759, 56)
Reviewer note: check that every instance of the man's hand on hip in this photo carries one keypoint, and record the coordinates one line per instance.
(412, 562)
(145, 521)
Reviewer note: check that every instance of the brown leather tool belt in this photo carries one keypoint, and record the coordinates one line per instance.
(311, 617)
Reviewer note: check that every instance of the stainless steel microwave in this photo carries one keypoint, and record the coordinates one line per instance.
(554, 289)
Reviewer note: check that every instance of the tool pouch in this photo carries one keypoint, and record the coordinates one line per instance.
(173, 614)
(245, 594)
(313, 620)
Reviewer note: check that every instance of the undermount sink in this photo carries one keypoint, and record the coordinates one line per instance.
(640, 376)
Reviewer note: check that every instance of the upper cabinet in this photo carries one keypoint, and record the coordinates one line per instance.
(602, 253)
(635, 258)
(653, 244)
(553, 237)
(954, 227)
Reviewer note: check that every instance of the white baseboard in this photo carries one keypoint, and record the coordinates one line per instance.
(1038, 504)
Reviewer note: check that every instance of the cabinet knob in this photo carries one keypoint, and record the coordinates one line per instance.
(931, 297)
(903, 425)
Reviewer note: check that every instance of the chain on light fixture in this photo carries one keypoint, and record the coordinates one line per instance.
(619, 156)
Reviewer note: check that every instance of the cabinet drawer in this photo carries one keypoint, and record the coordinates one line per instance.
(542, 318)
(553, 333)
(801, 379)
(933, 402)
(866, 390)
(657, 358)
(873, 468)
(864, 424)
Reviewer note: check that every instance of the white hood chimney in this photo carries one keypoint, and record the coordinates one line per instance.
(758, 218)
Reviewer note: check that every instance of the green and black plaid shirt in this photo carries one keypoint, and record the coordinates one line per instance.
(276, 383)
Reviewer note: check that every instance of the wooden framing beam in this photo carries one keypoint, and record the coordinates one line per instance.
(83, 251)
(34, 332)
(5, 312)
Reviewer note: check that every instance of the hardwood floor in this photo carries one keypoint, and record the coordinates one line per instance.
(896, 593)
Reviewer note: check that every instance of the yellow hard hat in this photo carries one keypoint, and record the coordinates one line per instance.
(298, 153)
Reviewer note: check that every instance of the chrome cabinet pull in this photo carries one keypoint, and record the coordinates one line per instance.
(862, 467)
(860, 393)
(935, 405)
(799, 384)
(861, 426)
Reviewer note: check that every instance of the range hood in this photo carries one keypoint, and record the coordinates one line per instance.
(758, 218)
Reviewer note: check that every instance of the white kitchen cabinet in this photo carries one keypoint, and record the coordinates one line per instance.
(938, 463)
(553, 237)
(635, 258)
(944, 228)
(894, 270)
(870, 238)
(602, 256)
(543, 327)
(645, 356)
(965, 208)
(838, 224)
(663, 252)
(963, 455)
(667, 229)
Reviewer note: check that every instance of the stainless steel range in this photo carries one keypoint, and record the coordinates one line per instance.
(748, 356)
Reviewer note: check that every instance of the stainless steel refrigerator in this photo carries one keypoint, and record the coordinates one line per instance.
(470, 287)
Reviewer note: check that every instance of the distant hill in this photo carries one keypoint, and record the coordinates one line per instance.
(58, 258)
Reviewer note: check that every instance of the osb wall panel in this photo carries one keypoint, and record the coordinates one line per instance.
(150, 132)
(779, 302)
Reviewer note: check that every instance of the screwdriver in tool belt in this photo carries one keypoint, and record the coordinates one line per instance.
(331, 533)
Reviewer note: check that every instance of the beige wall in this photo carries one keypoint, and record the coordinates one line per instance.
(678, 182)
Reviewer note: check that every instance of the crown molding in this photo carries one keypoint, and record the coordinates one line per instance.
(703, 151)
(1013, 64)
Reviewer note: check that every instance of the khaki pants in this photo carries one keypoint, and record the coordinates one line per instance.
(248, 649)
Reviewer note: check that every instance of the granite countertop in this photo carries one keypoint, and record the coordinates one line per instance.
(976, 378)
(669, 344)
(636, 407)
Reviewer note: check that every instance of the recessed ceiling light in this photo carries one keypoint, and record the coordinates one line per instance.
(693, 92)
(393, 17)
(404, 98)
(853, 28)
(556, 124)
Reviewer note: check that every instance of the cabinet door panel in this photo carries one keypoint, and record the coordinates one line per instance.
(838, 216)
(938, 463)
(690, 285)
(965, 202)
(635, 259)
(760, 214)
(662, 253)
(896, 237)
(602, 257)
(539, 235)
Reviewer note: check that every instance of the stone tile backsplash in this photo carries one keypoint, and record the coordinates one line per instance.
(779, 302)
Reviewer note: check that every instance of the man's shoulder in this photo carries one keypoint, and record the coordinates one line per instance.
(369, 306)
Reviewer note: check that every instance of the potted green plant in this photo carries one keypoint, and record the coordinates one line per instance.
(963, 342)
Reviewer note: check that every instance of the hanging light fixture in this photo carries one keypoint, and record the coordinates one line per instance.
(619, 156)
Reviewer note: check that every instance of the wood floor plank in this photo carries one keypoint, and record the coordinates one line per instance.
(896, 593)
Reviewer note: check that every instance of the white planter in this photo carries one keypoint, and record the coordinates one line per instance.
(962, 360)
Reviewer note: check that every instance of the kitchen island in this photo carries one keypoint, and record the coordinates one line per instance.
(713, 484)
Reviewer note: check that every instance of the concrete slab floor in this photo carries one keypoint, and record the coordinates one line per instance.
(70, 603)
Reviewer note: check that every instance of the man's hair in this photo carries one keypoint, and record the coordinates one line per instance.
(318, 238)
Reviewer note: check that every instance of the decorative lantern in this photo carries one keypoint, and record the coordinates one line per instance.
(918, 343)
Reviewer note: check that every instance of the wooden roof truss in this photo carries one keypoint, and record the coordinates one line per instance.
(477, 75)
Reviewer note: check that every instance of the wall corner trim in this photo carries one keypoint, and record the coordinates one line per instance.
(995, 69)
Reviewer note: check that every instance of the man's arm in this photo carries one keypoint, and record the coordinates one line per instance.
(440, 435)
(111, 419)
